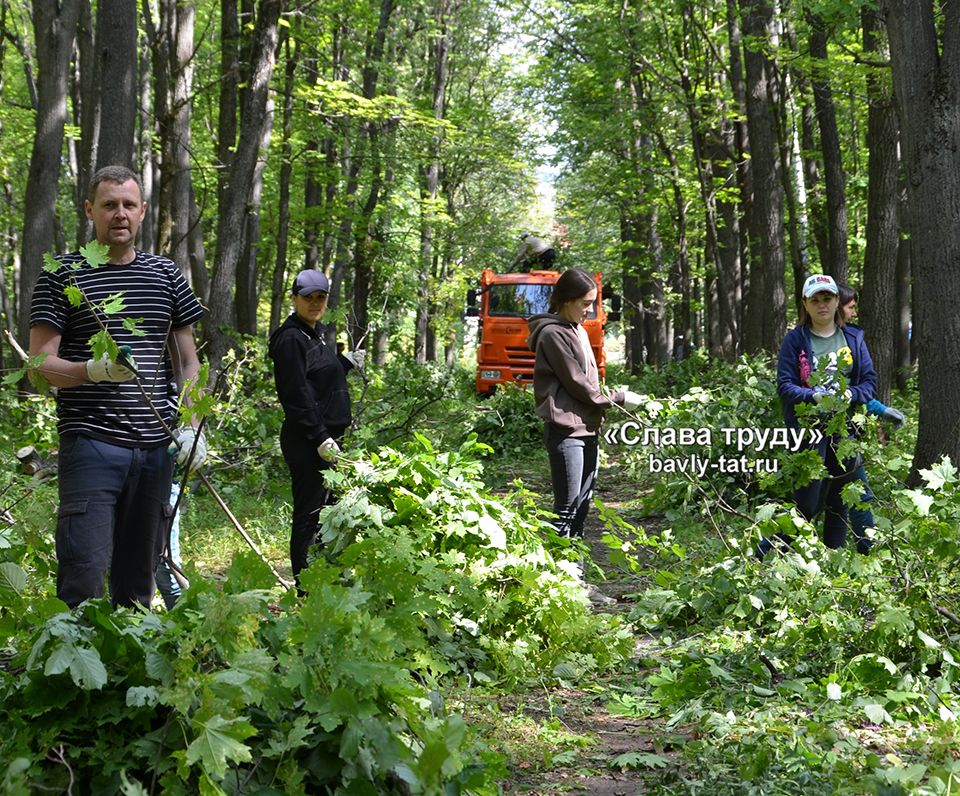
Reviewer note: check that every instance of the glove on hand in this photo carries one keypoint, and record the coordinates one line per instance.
(895, 416)
(105, 369)
(357, 358)
(183, 439)
(631, 400)
(820, 392)
(328, 450)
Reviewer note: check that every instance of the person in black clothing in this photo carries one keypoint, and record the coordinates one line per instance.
(312, 387)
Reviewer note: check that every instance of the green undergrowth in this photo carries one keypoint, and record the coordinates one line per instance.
(813, 671)
(426, 582)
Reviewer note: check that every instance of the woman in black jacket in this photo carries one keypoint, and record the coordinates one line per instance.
(312, 387)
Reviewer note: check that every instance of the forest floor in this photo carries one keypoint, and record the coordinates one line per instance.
(579, 721)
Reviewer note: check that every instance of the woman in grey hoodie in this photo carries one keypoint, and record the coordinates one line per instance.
(566, 387)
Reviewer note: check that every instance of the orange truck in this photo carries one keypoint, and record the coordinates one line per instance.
(502, 304)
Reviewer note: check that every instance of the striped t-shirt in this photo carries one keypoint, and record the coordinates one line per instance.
(156, 296)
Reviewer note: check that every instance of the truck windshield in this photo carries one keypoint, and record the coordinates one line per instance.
(522, 300)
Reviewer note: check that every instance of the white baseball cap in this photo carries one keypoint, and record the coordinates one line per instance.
(819, 283)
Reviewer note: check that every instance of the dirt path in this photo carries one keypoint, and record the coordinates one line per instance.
(605, 761)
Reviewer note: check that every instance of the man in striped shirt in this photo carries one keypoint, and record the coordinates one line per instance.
(114, 469)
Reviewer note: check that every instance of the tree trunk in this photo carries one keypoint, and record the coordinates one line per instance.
(766, 304)
(927, 90)
(229, 89)
(248, 270)
(834, 180)
(55, 25)
(371, 75)
(198, 254)
(424, 346)
(810, 169)
(148, 235)
(176, 24)
(279, 280)
(680, 273)
(631, 255)
(358, 319)
(744, 168)
(312, 192)
(878, 298)
(117, 69)
(657, 324)
(729, 265)
(904, 353)
(232, 212)
(786, 141)
(86, 111)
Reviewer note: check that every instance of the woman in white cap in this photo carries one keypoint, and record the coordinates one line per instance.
(823, 357)
(312, 387)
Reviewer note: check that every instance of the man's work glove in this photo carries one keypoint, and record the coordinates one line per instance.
(105, 369)
(357, 358)
(631, 400)
(894, 416)
(328, 450)
(183, 443)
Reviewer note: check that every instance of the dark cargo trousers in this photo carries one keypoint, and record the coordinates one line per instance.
(111, 514)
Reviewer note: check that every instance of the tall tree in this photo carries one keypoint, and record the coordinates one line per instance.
(925, 53)
(424, 346)
(765, 324)
(55, 26)
(175, 60)
(230, 222)
(116, 43)
(279, 278)
(837, 264)
(878, 298)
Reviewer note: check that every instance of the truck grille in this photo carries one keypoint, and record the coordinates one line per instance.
(520, 355)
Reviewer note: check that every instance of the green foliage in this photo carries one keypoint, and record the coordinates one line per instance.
(781, 676)
(699, 395)
(224, 695)
(417, 526)
(508, 423)
(424, 575)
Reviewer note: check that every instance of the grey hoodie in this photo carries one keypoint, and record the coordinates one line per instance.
(566, 385)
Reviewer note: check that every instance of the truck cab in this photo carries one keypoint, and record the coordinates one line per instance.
(503, 304)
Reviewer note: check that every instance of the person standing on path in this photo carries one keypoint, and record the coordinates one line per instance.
(566, 389)
(114, 468)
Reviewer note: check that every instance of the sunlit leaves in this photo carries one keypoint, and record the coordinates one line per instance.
(220, 741)
(95, 253)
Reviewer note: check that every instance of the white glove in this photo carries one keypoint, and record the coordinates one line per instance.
(631, 400)
(357, 358)
(183, 439)
(105, 369)
(328, 450)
